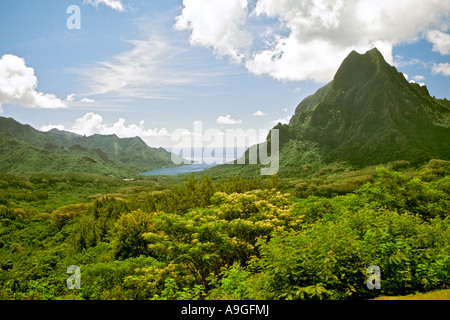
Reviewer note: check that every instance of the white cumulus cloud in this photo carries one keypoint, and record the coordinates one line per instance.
(18, 85)
(259, 113)
(284, 120)
(228, 120)
(308, 39)
(440, 41)
(92, 123)
(216, 24)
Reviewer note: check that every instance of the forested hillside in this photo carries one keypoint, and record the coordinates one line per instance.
(25, 150)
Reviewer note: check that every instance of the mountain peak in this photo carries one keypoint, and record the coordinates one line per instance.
(358, 69)
(64, 132)
(371, 114)
(374, 55)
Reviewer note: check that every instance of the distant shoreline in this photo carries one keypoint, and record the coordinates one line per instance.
(179, 170)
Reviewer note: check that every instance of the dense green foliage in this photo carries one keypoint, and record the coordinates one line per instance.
(234, 238)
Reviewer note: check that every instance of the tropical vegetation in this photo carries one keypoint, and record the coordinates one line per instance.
(233, 238)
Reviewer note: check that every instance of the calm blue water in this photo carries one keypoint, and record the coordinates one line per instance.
(230, 153)
(178, 170)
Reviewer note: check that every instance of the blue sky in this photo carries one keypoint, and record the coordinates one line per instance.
(149, 68)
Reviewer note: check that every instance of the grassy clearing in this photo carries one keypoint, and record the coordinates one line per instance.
(434, 295)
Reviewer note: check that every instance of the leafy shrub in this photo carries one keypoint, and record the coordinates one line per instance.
(413, 256)
(62, 215)
(130, 229)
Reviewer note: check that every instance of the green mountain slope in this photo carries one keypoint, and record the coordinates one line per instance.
(19, 157)
(368, 114)
(25, 150)
(130, 151)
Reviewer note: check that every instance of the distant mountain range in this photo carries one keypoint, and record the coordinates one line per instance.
(368, 114)
(25, 150)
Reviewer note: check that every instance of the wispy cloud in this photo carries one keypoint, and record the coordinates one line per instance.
(72, 100)
(145, 71)
(87, 100)
(418, 77)
(441, 68)
(400, 62)
(157, 66)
